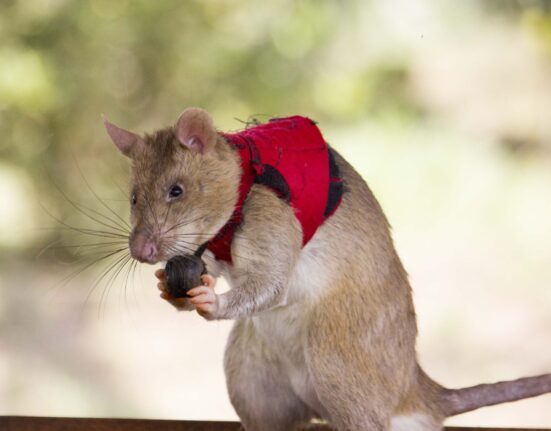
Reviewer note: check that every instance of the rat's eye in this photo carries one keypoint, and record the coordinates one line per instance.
(175, 191)
(133, 199)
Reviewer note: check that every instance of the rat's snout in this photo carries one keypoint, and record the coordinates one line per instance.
(143, 248)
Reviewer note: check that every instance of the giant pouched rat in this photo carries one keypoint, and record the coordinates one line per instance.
(322, 331)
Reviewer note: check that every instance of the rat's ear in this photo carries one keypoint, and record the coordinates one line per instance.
(195, 130)
(125, 140)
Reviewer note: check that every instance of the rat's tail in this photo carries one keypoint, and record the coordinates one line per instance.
(458, 401)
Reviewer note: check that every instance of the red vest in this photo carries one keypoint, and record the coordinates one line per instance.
(290, 156)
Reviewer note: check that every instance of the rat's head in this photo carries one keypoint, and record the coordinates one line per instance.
(184, 185)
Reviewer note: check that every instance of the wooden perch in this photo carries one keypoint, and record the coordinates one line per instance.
(23, 423)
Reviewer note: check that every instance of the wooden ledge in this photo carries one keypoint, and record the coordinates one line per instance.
(27, 423)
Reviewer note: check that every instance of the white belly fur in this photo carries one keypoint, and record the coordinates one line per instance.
(284, 328)
(414, 422)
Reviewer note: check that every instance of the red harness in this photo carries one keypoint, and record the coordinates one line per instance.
(290, 156)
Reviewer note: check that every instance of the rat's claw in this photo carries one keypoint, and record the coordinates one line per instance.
(201, 294)
(208, 280)
(205, 300)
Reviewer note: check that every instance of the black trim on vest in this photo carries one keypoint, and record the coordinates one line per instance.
(336, 186)
(272, 178)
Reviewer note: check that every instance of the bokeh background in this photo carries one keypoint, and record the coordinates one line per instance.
(443, 106)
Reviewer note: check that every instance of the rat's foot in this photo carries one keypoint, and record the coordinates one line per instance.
(180, 304)
(204, 298)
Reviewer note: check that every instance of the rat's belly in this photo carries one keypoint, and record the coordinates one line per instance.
(283, 331)
(284, 328)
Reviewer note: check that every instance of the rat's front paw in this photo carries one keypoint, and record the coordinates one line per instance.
(180, 304)
(204, 298)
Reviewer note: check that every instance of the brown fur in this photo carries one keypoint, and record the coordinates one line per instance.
(209, 192)
(323, 331)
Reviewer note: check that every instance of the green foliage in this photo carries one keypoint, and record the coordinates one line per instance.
(63, 63)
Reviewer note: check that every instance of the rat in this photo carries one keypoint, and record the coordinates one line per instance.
(324, 328)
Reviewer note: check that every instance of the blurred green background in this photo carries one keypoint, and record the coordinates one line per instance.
(443, 106)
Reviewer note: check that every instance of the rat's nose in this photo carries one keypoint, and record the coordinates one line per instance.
(143, 249)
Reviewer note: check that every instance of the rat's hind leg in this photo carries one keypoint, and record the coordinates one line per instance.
(259, 390)
(361, 363)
